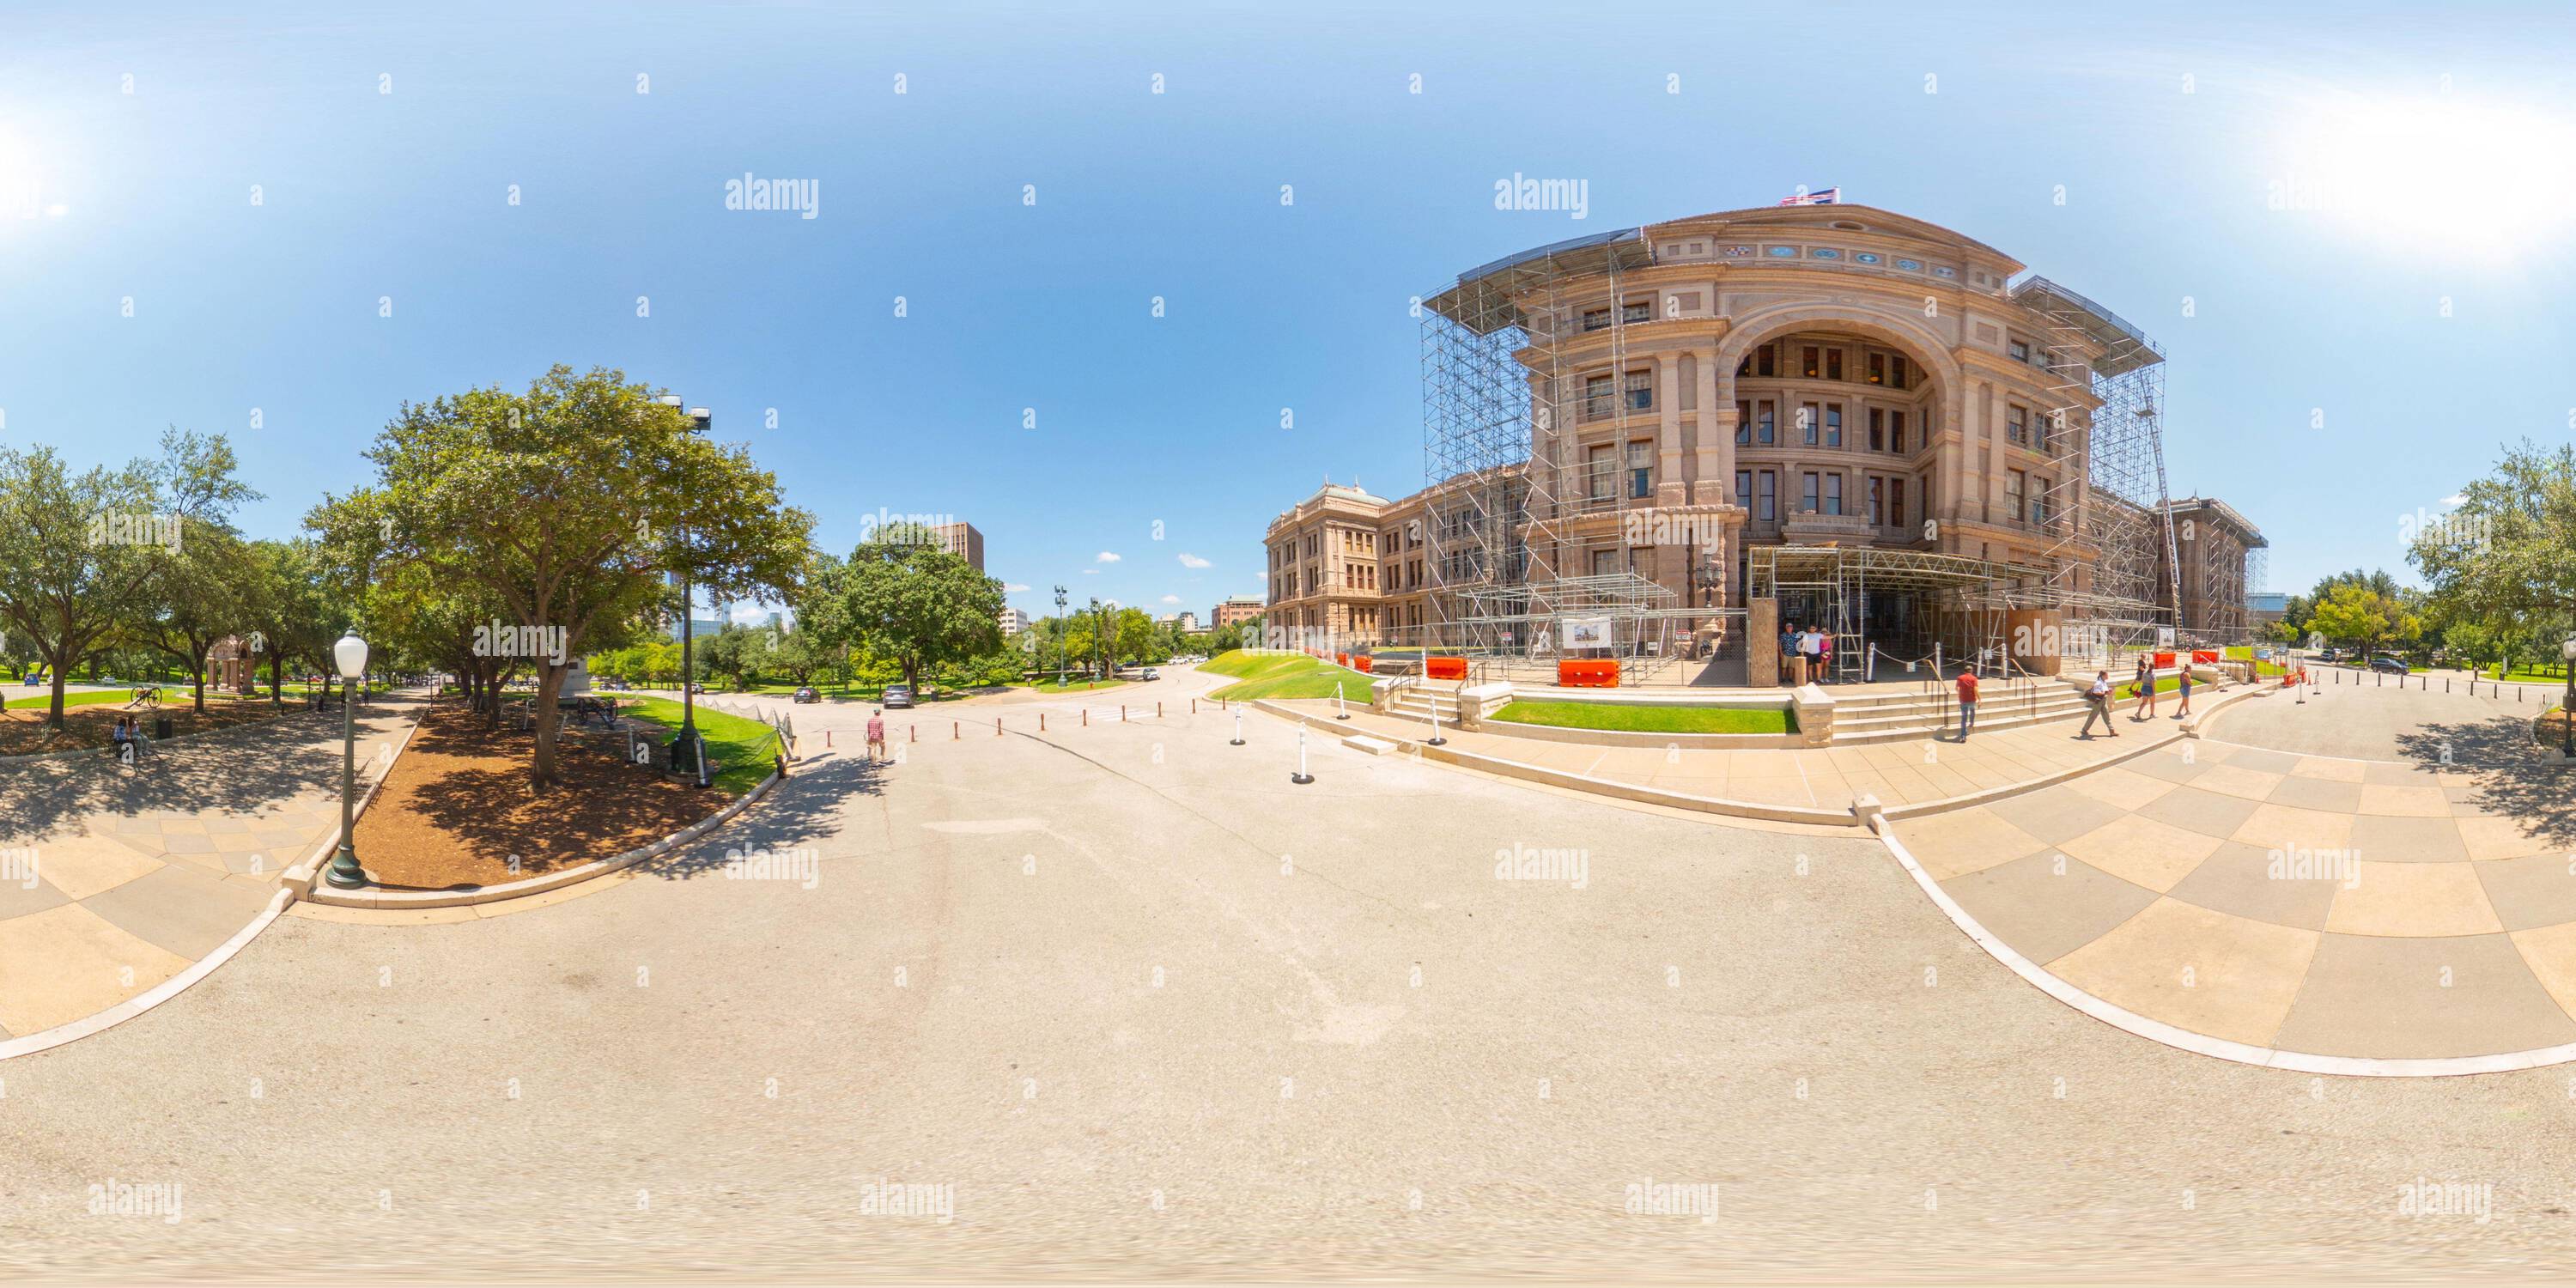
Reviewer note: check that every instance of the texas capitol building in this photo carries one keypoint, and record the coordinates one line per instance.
(1668, 421)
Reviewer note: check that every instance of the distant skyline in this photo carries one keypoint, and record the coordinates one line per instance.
(1117, 286)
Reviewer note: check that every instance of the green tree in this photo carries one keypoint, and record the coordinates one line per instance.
(2505, 558)
(565, 503)
(905, 598)
(2366, 618)
(82, 556)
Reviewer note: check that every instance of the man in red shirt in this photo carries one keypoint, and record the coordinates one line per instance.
(1967, 702)
(876, 735)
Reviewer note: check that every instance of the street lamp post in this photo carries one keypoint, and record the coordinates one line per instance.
(1060, 634)
(684, 744)
(350, 655)
(2567, 705)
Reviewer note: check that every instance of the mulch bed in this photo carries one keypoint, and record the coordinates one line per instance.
(457, 806)
(24, 732)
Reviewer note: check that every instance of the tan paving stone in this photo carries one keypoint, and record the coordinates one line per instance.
(2055, 815)
(2333, 797)
(2238, 781)
(1963, 841)
(2120, 788)
(68, 962)
(2501, 838)
(2280, 826)
(2550, 951)
(2243, 881)
(2329, 770)
(81, 866)
(2210, 813)
(2410, 801)
(2391, 999)
(2226, 977)
(2143, 851)
(2388, 838)
(2529, 893)
(2047, 904)
(2414, 900)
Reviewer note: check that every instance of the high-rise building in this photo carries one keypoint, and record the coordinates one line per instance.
(962, 540)
(1013, 621)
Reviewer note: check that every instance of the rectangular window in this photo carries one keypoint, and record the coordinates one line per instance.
(1744, 424)
(1766, 361)
(1833, 424)
(1878, 368)
(2016, 484)
(1877, 502)
(1769, 494)
(1744, 368)
(1744, 490)
(1596, 397)
(2039, 429)
(1762, 418)
(1595, 319)
(1877, 429)
(1600, 466)
(1896, 503)
(1641, 390)
(1641, 469)
(1604, 562)
(2020, 351)
(2017, 425)
(1808, 497)
(2039, 510)
(1833, 494)
(1833, 364)
(1896, 432)
(1896, 371)
(1809, 423)
(1809, 363)
(1640, 312)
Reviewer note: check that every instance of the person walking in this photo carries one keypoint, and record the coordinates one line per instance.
(2099, 698)
(1967, 703)
(2146, 707)
(876, 734)
(2183, 687)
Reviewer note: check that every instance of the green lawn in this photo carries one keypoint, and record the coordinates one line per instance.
(2527, 675)
(1078, 686)
(1650, 719)
(44, 699)
(744, 746)
(1286, 675)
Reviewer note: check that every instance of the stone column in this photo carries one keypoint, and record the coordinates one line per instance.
(1994, 418)
(1762, 643)
(1715, 479)
(1668, 432)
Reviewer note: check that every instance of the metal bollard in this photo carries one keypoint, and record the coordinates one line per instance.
(953, 734)
(916, 733)
(1194, 706)
(997, 726)
(1158, 710)
(1086, 717)
(1301, 777)
(1041, 722)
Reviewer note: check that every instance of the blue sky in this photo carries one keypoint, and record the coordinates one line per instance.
(2421, 160)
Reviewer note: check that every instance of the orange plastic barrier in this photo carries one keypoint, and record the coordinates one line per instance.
(1595, 674)
(1341, 659)
(2164, 661)
(1445, 668)
(1364, 664)
(2204, 657)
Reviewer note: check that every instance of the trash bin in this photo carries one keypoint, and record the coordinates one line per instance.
(161, 729)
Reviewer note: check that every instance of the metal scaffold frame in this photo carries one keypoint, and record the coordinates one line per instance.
(2107, 433)
(1505, 354)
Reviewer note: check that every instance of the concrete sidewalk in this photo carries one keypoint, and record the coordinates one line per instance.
(114, 880)
(1917, 772)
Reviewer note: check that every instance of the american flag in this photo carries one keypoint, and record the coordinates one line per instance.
(1829, 197)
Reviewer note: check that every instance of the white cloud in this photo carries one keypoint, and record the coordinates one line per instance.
(2456, 499)
(1105, 556)
(1189, 560)
(1261, 576)
(1090, 572)
(1171, 599)
(1012, 588)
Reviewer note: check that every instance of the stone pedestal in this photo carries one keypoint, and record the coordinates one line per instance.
(1762, 643)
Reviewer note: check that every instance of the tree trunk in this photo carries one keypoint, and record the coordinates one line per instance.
(56, 719)
(542, 774)
(277, 680)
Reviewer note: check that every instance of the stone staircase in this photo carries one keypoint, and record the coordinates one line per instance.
(1419, 700)
(1902, 717)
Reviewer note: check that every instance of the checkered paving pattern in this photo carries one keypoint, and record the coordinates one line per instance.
(113, 880)
(2334, 907)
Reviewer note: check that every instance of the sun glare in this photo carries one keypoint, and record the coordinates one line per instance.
(2441, 174)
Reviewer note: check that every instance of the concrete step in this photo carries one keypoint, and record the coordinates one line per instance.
(1373, 746)
(1988, 720)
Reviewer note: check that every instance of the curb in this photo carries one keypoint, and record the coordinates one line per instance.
(321, 893)
(2136, 1025)
(153, 996)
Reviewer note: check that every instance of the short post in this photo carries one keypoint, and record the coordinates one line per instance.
(953, 734)
(1301, 776)
(997, 726)
(1158, 708)
(1086, 717)
(1238, 731)
(1122, 713)
(1341, 703)
(1041, 722)
(1436, 739)
(916, 732)
(1194, 706)
(827, 740)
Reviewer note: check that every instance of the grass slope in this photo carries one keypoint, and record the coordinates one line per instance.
(44, 700)
(1285, 675)
(744, 746)
(1645, 719)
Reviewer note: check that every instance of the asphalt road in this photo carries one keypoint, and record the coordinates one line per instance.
(1125, 1002)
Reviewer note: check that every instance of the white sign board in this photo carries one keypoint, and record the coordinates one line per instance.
(2164, 637)
(1587, 632)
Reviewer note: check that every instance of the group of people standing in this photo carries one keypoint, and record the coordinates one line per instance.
(1815, 644)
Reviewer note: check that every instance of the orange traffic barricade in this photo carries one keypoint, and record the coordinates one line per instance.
(1363, 663)
(1596, 673)
(1445, 668)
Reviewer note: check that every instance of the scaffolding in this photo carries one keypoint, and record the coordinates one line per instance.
(2105, 433)
(1505, 355)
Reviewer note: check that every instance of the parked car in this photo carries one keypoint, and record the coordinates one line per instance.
(807, 694)
(898, 695)
(2389, 665)
(1150, 674)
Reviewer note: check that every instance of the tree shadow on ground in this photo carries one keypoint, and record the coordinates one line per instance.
(243, 770)
(802, 811)
(2513, 779)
